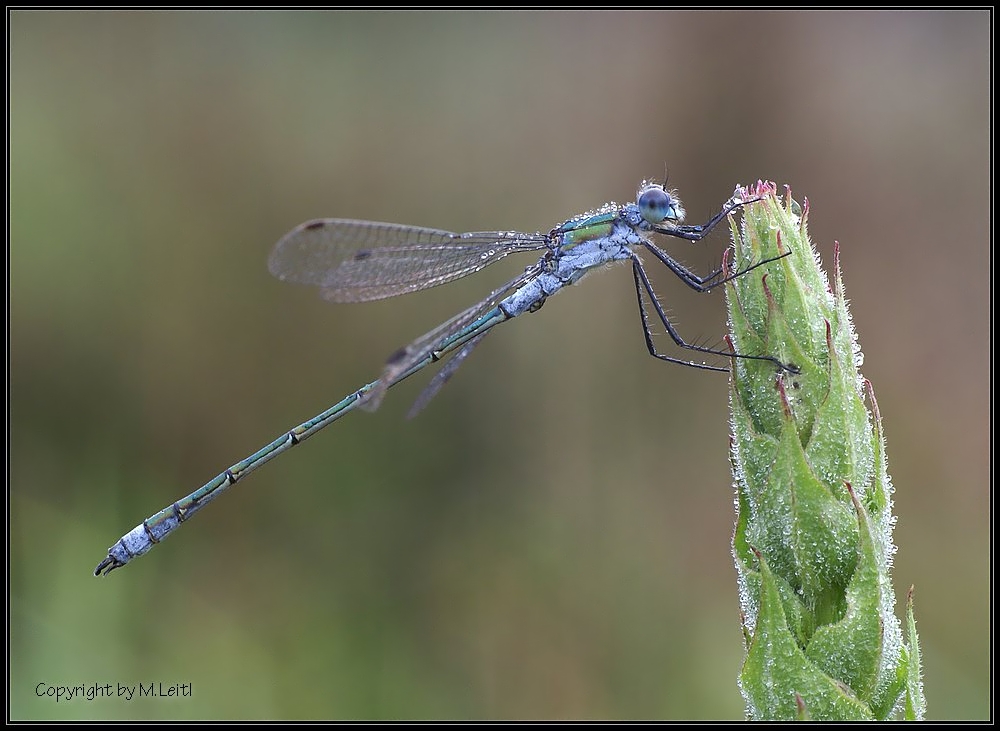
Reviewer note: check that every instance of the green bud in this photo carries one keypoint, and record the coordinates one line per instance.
(813, 539)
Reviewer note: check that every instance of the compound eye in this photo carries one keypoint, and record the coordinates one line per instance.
(656, 205)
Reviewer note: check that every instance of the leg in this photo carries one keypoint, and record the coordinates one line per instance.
(642, 283)
(697, 233)
(706, 283)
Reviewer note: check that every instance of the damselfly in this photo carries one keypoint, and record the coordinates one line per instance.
(357, 261)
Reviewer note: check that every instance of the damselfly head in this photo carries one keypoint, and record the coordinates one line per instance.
(656, 204)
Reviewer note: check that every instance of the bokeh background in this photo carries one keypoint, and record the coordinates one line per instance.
(550, 538)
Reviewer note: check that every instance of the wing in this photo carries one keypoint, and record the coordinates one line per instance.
(442, 339)
(358, 261)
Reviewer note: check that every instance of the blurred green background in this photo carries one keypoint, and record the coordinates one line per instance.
(550, 538)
